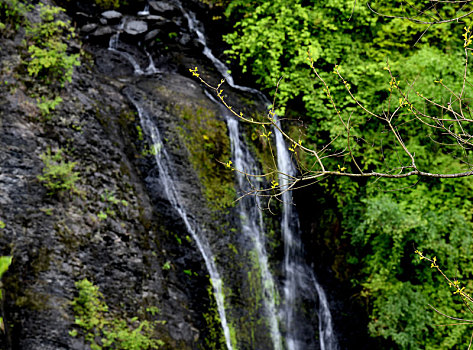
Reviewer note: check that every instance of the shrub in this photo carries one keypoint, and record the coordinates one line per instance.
(46, 105)
(5, 262)
(91, 315)
(49, 60)
(58, 174)
(11, 15)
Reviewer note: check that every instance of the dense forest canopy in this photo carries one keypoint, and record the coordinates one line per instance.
(403, 47)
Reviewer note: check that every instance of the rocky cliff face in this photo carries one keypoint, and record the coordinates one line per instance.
(118, 229)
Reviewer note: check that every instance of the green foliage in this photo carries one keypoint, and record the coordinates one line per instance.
(5, 262)
(58, 175)
(112, 205)
(47, 65)
(12, 15)
(166, 265)
(2, 224)
(215, 339)
(102, 216)
(103, 332)
(272, 40)
(46, 105)
(383, 233)
(109, 4)
(49, 60)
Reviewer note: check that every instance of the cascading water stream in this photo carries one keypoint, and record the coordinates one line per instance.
(299, 281)
(196, 27)
(252, 226)
(114, 46)
(251, 220)
(169, 183)
(151, 69)
(327, 339)
(292, 246)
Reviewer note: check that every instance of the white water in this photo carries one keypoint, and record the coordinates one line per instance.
(196, 27)
(145, 12)
(252, 225)
(151, 69)
(251, 220)
(171, 190)
(292, 246)
(327, 339)
(299, 281)
(114, 46)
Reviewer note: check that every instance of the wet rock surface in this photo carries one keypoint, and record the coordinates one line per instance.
(58, 240)
(111, 15)
(136, 27)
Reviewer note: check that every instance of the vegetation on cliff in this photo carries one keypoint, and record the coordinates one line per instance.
(104, 331)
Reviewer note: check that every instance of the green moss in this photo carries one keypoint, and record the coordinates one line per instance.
(126, 119)
(42, 261)
(206, 139)
(31, 299)
(66, 236)
(5, 262)
(215, 339)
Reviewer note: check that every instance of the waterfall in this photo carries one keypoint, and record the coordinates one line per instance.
(252, 226)
(292, 246)
(151, 69)
(300, 282)
(114, 46)
(251, 220)
(196, 27)
(171, 190)
(299, 278)
(326, 336)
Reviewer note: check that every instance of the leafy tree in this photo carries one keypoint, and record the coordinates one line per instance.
(355, 91)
